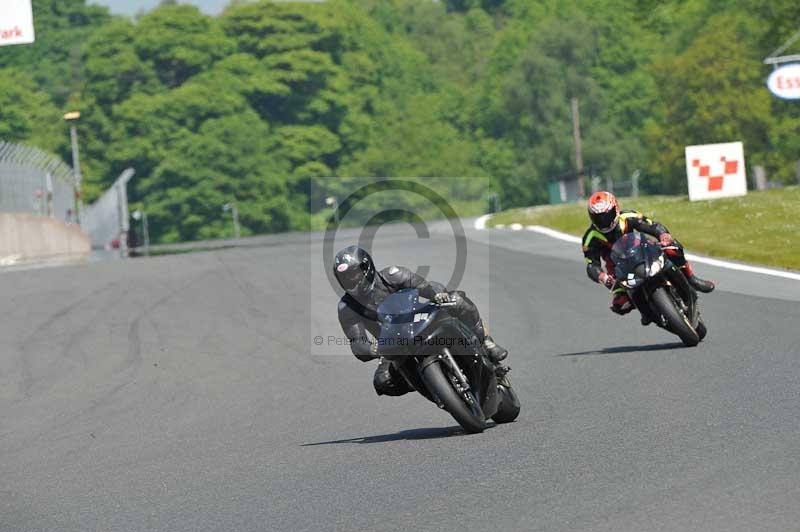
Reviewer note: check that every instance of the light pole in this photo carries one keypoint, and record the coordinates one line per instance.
(142, 215)
(576, 134)
(235, 215)
(333, 202)
(72, 119)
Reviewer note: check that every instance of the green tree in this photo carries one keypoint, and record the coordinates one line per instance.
(710, 93)
(54, 60)
(113, 69)
(27, 114)
(179, 41)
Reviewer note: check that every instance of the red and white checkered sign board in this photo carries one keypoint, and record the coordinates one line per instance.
(716, 171)
(16, 22)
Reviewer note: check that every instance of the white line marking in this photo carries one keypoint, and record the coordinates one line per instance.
(696, 258)
(480, 222)
(743, 267)
(554, 234)
(516, 227)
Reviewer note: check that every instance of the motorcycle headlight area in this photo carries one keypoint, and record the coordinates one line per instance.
(656, 266)
(629, 283)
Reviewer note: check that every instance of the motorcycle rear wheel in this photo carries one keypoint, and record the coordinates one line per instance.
(470, 417)
(508, 410)
(676, 320)
(701, 329)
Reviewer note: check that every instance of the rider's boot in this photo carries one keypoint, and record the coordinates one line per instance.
(698, 284)
(500, 371)
(387, 381)
(496, 353)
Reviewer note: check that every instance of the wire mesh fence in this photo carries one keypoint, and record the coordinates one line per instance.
(106, 220)
(34, 181)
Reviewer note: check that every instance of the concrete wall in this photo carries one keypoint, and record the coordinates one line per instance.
(27, 238)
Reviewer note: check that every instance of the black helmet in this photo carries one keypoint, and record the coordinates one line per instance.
(354, 269)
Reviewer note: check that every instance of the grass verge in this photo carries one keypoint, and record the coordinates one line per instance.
(760, 228)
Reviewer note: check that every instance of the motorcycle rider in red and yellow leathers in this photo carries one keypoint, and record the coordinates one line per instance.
(608, 225)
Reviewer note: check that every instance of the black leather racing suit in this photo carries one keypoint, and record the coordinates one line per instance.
(359, 320)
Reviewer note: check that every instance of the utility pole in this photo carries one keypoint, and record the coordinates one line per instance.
(635, 183)
(146, 230)
(576, 134)
(72, 118)
(49, 194)
(798, 172)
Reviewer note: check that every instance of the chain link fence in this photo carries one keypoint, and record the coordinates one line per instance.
(37, 182)
(106, 220)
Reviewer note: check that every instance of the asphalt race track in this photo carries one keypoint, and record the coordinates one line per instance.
(184, 393)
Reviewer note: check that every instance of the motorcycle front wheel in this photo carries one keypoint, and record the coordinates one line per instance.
(677, 322)
(469, 416)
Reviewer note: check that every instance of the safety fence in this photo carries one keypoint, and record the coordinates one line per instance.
(106, 220)
(34, 181)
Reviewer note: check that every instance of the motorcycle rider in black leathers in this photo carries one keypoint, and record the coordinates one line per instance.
(366, 288)
(608, 225)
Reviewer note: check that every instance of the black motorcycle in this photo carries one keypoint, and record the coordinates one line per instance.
(442, 359)
(657, 287)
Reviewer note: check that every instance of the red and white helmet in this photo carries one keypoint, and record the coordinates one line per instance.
(604, 211)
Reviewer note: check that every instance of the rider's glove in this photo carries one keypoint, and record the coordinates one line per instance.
(441, 297)
(445, 297)
(608, 280)
(666, 240)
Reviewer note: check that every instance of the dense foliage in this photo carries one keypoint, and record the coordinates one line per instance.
(264, 103)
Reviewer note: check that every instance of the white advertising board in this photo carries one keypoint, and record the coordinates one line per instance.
(784, 82)
(716, 171)
(16, 22)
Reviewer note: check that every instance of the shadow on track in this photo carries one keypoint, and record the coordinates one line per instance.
(625, 349)
(413, 434)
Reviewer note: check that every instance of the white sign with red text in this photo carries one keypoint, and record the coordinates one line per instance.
(16, 22)
(716, 171)
(784, 82)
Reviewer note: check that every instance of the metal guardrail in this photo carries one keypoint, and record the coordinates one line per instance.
(37, 182)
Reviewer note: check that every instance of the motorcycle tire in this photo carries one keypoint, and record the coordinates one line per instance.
(508, 410)
(471, 418)
(701, 329)
(676, 320)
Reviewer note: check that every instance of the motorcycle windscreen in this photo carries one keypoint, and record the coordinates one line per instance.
(400, 314)
(630, 251)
